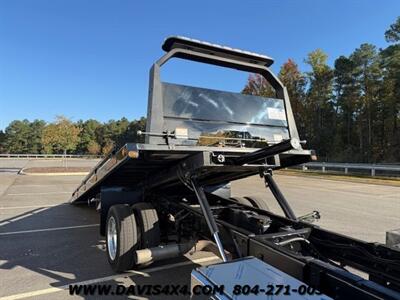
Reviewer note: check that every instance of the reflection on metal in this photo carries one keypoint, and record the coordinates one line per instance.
(231, 139)
(187, 102)
(199, 129)
(112, 238)
(223, 119)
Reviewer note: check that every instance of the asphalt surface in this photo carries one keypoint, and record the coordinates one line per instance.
(360, 210)
(46, 244)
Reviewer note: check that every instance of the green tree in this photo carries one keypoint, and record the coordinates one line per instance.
(2, 141)
(62, 135)
(368, 78)
(346, 94)
(35, 136)
(393, 33)
(390, 92)
(87, 135)
(113, 131)
(93, 148)
(17, 137)
(104, 133)
(295, 82)
(133, 128)
(120, 132)
(320, 117)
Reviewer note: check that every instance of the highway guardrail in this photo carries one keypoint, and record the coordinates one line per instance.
(371, 169)
(49, 156)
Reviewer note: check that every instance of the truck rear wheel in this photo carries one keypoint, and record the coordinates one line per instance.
(148, 223)
(121, 237)
(242, 200)
(254, 201)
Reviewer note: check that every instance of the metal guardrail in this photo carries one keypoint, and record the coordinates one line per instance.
(48, 156)
(347, 168)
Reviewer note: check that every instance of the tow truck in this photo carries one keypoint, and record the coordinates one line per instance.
(171, 194)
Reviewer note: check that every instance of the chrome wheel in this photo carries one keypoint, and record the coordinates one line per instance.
(112, 240)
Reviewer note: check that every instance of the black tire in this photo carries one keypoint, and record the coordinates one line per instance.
(254, 201)
(149, 225)
(242, 200)
(258, 202)
(126, 237)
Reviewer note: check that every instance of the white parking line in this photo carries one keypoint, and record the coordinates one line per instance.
(23, 216)
(47, 229)
(29, 194)
(144, 272)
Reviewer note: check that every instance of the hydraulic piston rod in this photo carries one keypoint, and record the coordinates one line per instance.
(271, 184)
(205, 208)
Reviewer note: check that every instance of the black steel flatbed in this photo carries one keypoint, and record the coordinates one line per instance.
(136, 164)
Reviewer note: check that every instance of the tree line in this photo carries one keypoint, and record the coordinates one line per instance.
(348, 112)
(63, 135)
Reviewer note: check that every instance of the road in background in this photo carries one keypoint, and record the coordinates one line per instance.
(47, 244)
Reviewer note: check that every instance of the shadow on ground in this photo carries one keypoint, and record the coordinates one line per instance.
(56, 258)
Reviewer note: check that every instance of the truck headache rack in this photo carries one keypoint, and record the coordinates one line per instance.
(197, 141)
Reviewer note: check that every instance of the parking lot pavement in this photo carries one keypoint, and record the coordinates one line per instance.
(47, 244)
(360, 210)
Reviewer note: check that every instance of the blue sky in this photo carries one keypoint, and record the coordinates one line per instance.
(90, 58)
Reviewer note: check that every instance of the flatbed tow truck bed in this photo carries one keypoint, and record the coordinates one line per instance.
(171, 195)
(134, 164)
